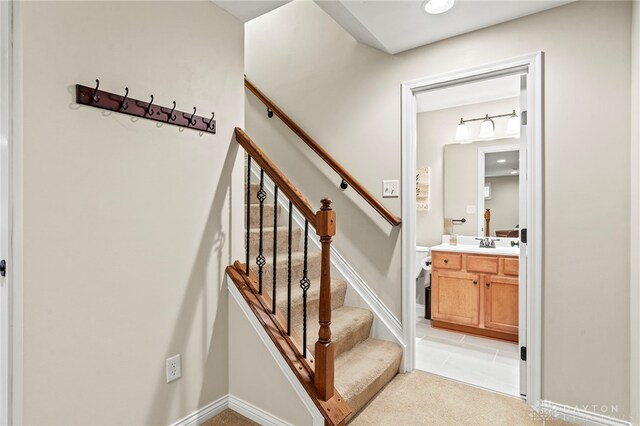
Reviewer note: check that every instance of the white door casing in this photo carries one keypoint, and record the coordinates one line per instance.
(532, 66)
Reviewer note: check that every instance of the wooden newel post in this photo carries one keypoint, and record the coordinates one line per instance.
(324, 355)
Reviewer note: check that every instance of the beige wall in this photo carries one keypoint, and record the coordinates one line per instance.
(255, 377)
(127, 224)
(503, 203)
(635, 215)
(347, 96)
(435, 130)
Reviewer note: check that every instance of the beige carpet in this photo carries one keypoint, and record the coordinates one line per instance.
(424, 399)
(229, 418)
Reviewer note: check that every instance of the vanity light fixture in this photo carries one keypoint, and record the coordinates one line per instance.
(462, 132)
(502, 160)
(513, 125)
(435, 7)
(487, 127)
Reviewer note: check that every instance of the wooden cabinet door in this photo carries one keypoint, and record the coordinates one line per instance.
(501, 303)
(455, 297)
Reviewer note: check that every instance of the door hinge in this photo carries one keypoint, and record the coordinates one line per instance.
(523, 118)
(523, 353)
(3, 268)
(523, 235)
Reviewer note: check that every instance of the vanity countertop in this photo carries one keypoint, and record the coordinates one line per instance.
(466, 248)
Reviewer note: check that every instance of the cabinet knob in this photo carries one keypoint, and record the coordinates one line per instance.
(446, 261)
(475, 282)
(488, 284)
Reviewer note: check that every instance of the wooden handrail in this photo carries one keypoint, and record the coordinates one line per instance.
(277, 176)
(324, 155)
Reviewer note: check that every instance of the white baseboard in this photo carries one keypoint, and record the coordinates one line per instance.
(578, 415)
(254, 413)
(205, 413)
(236, 404)
(386, 326)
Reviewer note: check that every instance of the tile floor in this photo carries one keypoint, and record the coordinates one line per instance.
(487, 363)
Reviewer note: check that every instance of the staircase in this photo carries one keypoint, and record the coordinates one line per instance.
(288, 286)
(363, 365)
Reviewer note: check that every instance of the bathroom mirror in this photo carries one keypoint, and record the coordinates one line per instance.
(478, 176)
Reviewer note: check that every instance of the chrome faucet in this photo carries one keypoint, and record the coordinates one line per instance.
(488, 242)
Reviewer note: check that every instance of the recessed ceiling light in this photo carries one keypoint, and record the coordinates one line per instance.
(435, 7)
(501, 161)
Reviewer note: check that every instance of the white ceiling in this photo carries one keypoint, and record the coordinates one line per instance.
(246, 10)
(399, 25)
(494, 169)
(394, 26)
(468, 94)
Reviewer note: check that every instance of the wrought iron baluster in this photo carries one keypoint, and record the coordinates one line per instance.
(260, 260)
(248, 207)
(289, 272)
(275, 247)
(305, 284)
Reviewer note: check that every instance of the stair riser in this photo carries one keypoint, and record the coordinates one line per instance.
(267, 241)
(297, 267)
(267, 216)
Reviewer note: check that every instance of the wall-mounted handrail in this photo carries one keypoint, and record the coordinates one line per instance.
(277, 176)
(324, 155)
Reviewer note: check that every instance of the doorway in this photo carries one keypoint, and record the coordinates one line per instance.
(456, 268)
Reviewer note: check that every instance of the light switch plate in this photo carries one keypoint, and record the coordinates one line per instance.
(390, 189)
(471, 209)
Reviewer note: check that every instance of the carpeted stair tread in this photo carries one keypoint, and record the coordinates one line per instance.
(338, 293)
(297, 267)
(350, 326)
(267, 216)
(361, 372)
(255, 187)
(267, 240)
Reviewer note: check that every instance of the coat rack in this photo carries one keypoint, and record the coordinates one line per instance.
(125, 105)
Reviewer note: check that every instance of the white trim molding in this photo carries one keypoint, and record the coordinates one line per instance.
(254, 413)
(11, 200)
(205, 413)
(318, 419)
(234, 403)
(578, 415)
(532, 66)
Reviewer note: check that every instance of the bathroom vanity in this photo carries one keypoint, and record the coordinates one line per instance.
(475, 290)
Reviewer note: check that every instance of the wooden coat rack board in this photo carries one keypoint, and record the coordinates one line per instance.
(123, 104)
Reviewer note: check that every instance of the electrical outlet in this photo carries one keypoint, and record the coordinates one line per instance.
(174, 368)
(390, 189)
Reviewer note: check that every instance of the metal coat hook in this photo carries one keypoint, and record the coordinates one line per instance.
(149, 110)
(172, 116)
(124, 104)
(95, 96)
